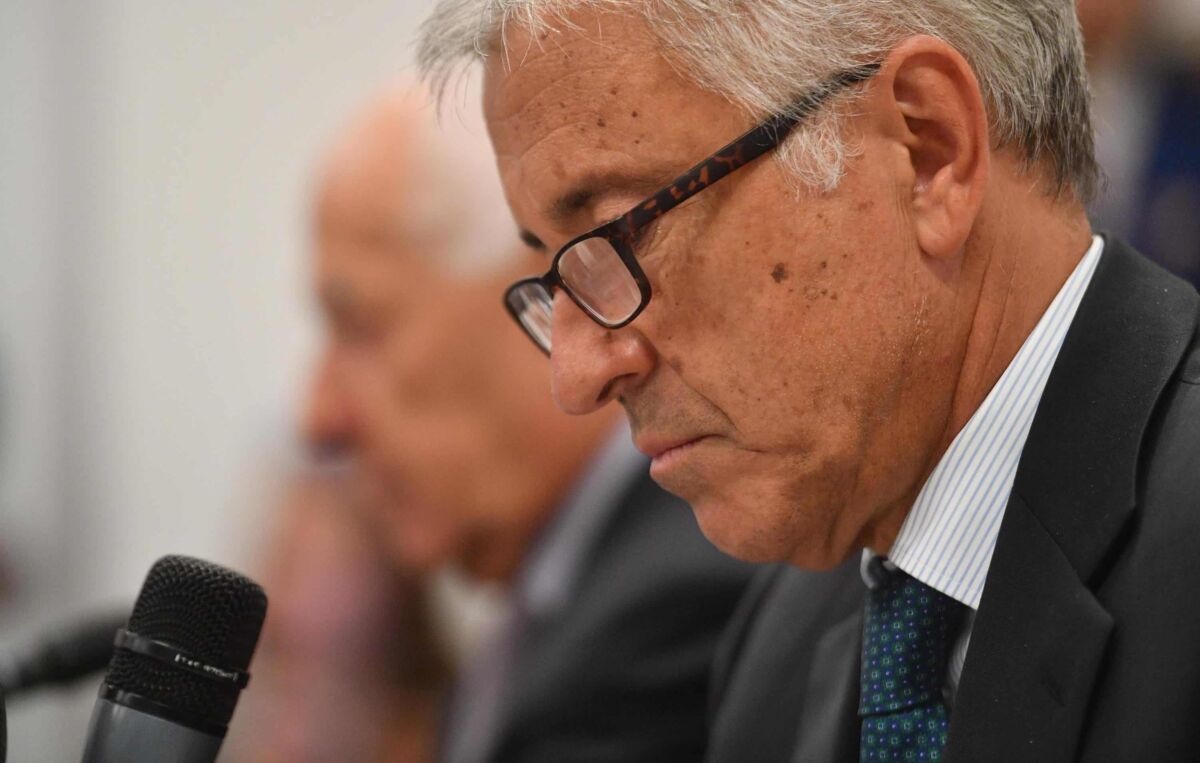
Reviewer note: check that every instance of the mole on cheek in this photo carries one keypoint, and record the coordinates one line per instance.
(779, 273)
(677, 364)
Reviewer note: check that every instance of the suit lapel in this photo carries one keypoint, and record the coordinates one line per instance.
(1040, 634)
(1035, 649)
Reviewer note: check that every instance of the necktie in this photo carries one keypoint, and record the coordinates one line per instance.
(906, 639)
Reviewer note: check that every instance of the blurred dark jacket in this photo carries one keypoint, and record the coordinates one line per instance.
(615, 643)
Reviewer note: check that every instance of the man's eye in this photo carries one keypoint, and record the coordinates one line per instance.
(645, 238)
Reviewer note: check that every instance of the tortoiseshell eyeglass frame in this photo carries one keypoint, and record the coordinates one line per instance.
(622, 231)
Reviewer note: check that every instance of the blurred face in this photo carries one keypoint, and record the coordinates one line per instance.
(425, 382)
(789, 377)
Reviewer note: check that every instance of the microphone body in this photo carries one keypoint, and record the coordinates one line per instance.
(178, 666)
(118, 732)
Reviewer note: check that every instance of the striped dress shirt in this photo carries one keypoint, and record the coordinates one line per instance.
(948, 537)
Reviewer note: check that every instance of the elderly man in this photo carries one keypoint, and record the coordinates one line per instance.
(875, 330)
(617, 599)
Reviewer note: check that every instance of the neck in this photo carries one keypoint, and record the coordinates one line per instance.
(496, 556)
(1027, 249)
(1024, 247)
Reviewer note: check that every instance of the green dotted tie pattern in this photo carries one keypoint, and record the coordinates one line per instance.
(905, 645)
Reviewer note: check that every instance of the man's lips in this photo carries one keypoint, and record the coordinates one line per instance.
(657, 447)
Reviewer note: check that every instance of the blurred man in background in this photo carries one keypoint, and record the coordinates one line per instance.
(616, 599)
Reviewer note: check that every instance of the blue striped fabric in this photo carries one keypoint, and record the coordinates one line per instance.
(948, 538)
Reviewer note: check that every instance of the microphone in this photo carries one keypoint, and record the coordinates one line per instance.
(61, 656)
(178, 666)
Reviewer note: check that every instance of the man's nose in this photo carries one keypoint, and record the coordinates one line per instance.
(592, 365)
(328, 421)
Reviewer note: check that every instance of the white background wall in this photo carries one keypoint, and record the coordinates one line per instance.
(154, 168)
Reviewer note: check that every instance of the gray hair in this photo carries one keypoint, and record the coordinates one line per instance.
(760, 55)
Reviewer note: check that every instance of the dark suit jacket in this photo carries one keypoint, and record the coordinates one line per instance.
(621, 674)
(1086, 645)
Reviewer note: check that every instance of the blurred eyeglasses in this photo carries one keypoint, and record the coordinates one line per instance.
(599, 270)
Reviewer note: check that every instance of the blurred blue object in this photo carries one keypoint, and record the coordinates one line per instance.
(1153, 161)
(1168, 218)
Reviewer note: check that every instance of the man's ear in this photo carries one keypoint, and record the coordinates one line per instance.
(930, 104)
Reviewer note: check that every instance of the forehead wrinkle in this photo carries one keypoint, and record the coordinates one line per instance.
(554, 105)
(553, 47)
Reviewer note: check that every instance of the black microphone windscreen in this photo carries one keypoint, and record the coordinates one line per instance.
(205, 611)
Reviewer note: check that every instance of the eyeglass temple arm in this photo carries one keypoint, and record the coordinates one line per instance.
(740, 152)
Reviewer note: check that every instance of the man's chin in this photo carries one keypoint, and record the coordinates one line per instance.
(737, 531)
(759, 534)
(729, 524)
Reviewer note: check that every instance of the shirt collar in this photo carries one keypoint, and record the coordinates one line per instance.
(548, 578)
(948, 537)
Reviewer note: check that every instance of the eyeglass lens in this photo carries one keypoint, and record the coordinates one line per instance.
(532, 305)
(599, 279)
(596, 276)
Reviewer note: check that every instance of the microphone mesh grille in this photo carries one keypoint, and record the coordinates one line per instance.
(200, 608)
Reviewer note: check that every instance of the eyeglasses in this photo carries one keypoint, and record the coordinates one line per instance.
(599, 270)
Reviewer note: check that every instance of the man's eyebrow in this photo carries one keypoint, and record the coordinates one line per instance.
(577, 199)
(584, 193)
